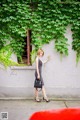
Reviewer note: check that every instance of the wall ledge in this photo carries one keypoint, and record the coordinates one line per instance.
(22, 67)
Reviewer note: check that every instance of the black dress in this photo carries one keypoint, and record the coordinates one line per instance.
(40, 71)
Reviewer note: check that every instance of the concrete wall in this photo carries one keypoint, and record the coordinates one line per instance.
(61, 77)
(17, 82)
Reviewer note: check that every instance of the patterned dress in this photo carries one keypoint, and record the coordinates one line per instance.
(40, 71)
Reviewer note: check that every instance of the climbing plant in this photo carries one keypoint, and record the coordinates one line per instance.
(47, 19)
(5, 54)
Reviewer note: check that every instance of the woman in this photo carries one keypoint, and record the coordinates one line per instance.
(38, 75)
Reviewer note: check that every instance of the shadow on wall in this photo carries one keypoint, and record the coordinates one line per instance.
(61, 114)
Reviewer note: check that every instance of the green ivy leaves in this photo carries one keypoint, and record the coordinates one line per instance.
(76, 41)
(5, 54)
(61, 45)
(47, 19)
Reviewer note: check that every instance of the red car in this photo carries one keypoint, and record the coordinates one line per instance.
(60, 114)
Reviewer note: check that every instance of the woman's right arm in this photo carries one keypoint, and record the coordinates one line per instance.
(37, 68)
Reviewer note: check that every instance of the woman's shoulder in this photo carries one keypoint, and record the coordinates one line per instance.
(37, 58)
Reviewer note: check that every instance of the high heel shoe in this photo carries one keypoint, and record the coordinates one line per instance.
(37, 100)
(46, 99)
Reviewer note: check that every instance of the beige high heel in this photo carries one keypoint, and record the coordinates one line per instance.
(46, 99)
(37, 100)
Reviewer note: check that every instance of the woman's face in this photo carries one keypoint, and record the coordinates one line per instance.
(41, 54)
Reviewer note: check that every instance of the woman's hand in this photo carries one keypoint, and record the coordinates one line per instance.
(38, 76)
(48, 58)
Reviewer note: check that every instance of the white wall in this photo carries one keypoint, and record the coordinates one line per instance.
(17, 82)
(61, 77)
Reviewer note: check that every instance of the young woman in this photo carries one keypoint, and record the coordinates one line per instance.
(38, 75)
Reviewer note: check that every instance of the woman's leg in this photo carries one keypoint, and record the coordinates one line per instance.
(36, 95)
(44, 94)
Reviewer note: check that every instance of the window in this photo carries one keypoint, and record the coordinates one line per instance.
(26, 59)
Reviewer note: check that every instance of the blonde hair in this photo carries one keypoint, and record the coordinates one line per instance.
(39, 51)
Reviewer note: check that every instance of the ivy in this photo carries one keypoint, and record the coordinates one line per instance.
(47, 19)
(5, 54)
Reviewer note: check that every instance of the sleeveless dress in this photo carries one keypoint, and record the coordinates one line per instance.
(40, 71)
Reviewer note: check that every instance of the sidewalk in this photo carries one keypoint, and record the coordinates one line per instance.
(22, 109)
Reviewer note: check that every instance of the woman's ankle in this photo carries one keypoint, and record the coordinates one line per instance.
(37, 99)
(45, 97)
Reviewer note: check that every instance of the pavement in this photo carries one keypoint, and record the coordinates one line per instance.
(22, 109)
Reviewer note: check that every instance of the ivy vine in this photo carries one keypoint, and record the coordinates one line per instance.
(47, 19)
(5, 54)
